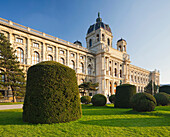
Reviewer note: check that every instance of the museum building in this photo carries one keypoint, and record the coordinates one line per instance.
(98, 62)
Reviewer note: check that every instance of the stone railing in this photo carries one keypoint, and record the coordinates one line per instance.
(42, 34)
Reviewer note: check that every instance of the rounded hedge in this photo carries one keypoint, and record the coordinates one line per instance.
(165, 88)
(123, 95)
(52, 94)
(162, 98)
(99, 100)
(86, 99)
(112, 99)
(143, 102)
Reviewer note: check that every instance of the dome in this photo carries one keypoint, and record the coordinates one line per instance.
(121, 40)
(78, 43)
(99, 24)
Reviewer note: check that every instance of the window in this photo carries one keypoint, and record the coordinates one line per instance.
(50, 49)
(103, 39)
(81, 81)
(115, 72)
(110, 71)
(20, 55)
(61, 52)
(81, 68)
(72, 64)
(90, 94)
(19, 40)
(72, 55)
(81, 57)
(62, 61)
(35, 58)
(89, 70)
(50, 58)
(2, 75)
(121, 73)
(132, 78)
(97, 37)
(108, 42)
(35, 45)
(90, 42)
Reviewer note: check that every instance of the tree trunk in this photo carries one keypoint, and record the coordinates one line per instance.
(13, 94)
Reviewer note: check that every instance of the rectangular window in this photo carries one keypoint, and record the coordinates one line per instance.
(19, 40)
(50, 49)
(35, 45)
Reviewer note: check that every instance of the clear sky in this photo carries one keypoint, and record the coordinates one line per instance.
(144, 24)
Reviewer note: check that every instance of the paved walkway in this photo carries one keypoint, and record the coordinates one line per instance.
(2, 107)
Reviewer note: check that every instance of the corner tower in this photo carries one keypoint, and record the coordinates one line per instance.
(98, 34)
(121, 45)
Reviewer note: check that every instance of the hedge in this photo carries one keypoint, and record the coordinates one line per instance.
(112, 99)
(86, 99)
(162, 98)
(143, 102)
(52, 94)
(99, 100)
(123, 95)
(165, 88)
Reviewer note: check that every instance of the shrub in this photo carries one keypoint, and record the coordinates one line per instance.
(123, 95)
(165, 88)
(99, 100)
(162, 98)
(86, 99)
(143, 102)
(112, 99)
(52, 94)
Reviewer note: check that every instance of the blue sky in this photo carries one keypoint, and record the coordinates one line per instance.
(144, 24)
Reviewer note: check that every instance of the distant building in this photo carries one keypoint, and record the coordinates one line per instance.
(99, 62)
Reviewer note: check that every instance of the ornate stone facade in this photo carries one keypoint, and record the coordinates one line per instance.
(99, 62)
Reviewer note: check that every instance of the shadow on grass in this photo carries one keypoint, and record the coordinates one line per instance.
(11, 118)
(110, 110)
(129, 122)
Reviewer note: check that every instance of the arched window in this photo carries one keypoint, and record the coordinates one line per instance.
(50, 58)
(110, 71)
(119, 48)
(115, 72)
(103, 37)
(108, 42)
(35, 58)
(115, 85)
(124, 48)
(111, 88)
(81, 68)
(97, 37)
(90, 42)
(2, 76)
(120, 73)
(20, 55)
(72, 64)
(62, 61)
(81, 81)
(89, 70)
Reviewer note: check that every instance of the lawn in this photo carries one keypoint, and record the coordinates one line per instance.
(11, 103)
(96, 121)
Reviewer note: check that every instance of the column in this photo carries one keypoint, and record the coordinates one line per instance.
(77, 62)
(56, 53)
(28, 58)
(67, 57)
(43, 51)
(86, 70)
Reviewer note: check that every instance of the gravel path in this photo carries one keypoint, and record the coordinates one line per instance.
(2, 107)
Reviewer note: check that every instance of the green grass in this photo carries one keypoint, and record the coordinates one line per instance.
(96, 121)
(11, 103)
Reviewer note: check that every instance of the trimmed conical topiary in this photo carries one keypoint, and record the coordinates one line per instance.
(123, 95)
(52, 94)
